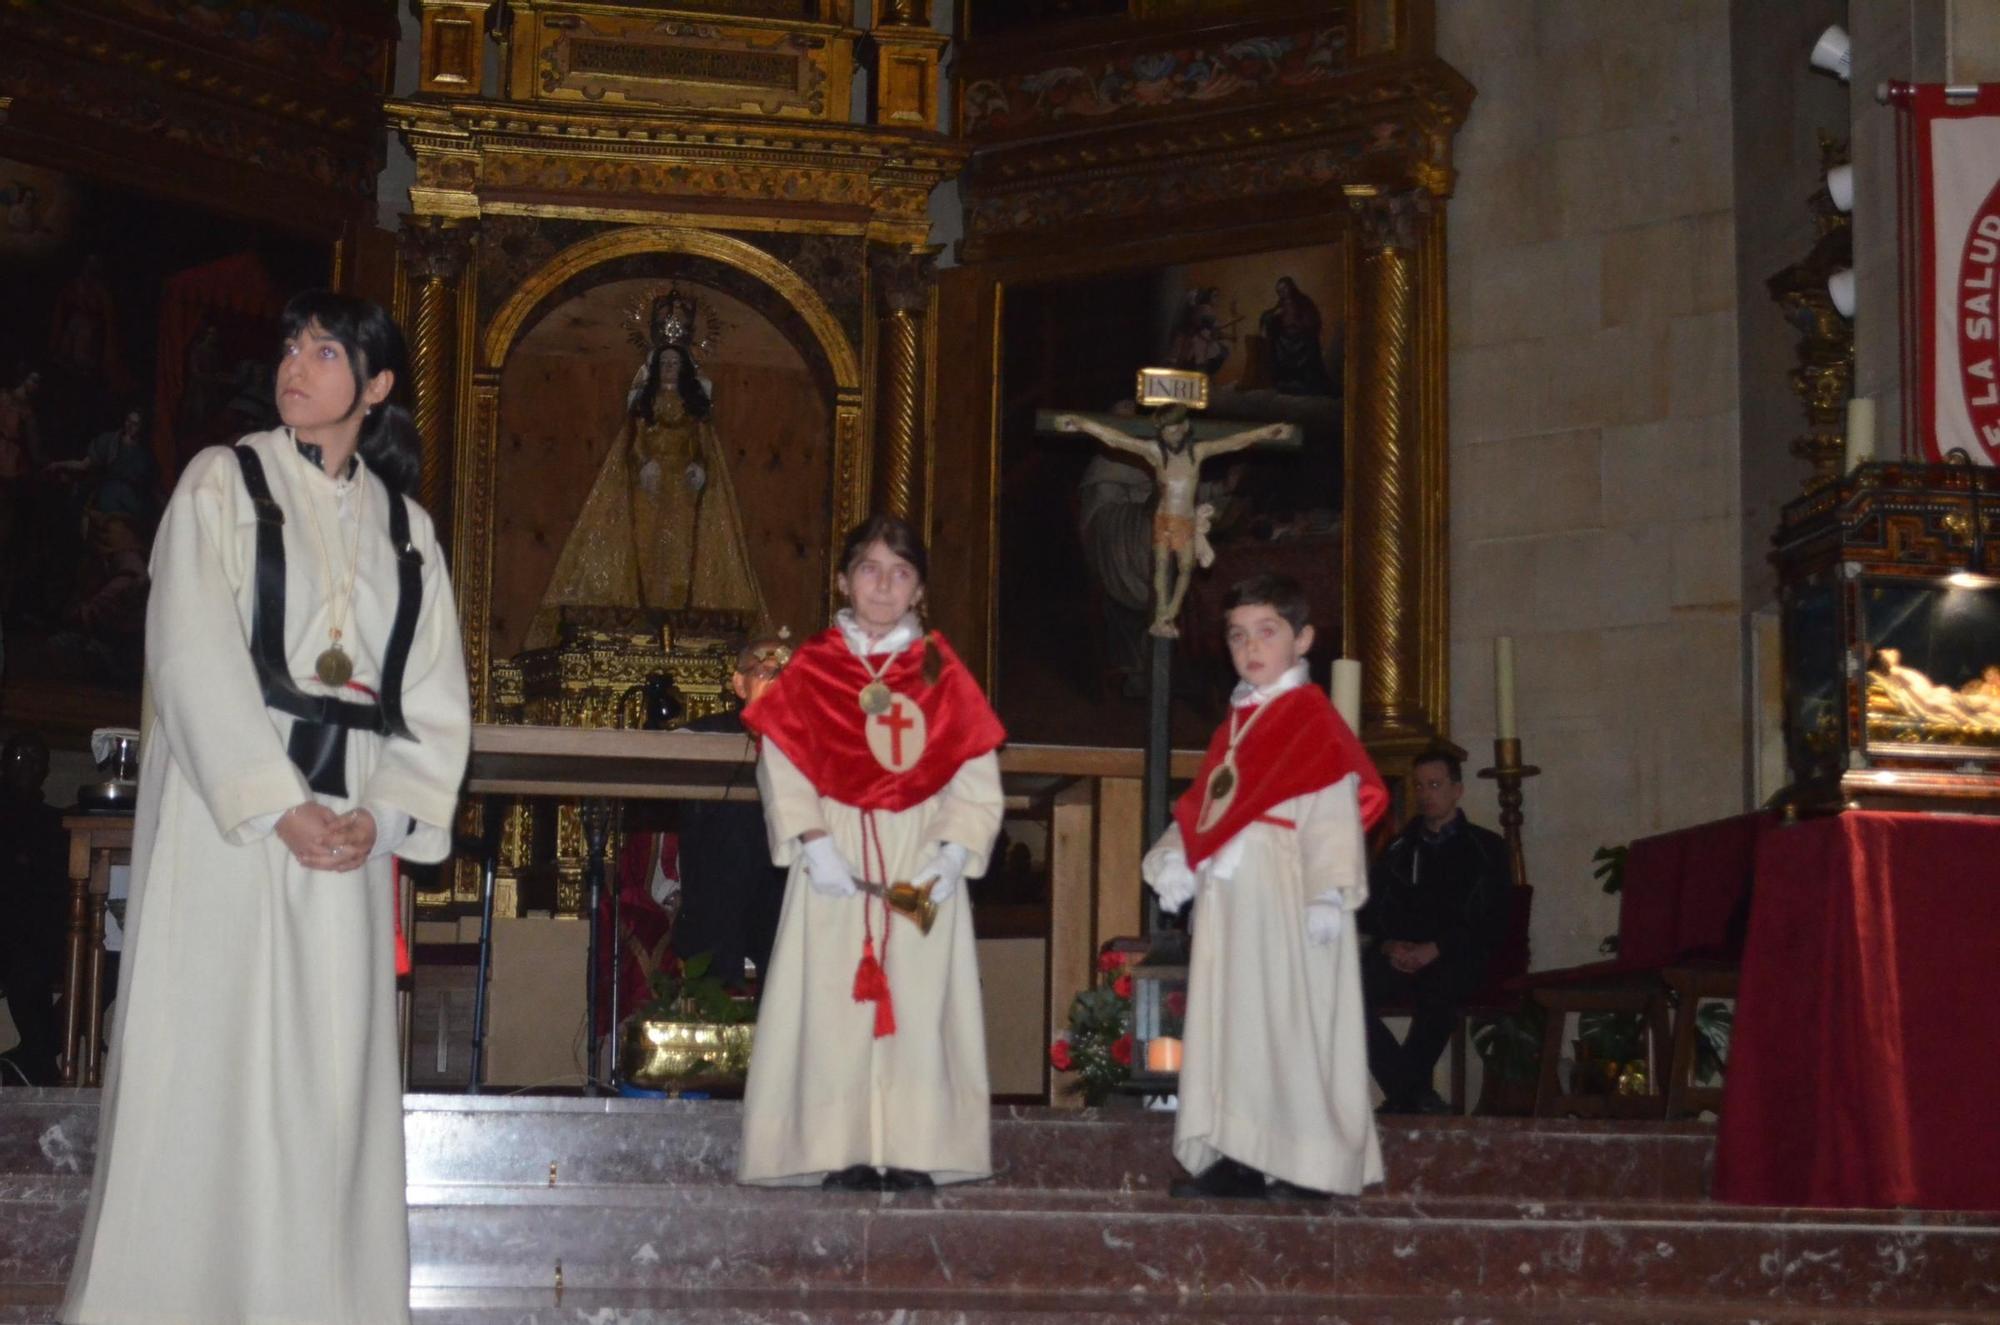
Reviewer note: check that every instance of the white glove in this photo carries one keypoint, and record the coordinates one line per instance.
(1174, 882)
(947, 867)
(649, 478)
(696, 476)
(1324, 917)
(828, 873)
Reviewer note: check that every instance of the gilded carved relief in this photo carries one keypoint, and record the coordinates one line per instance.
(629, 57)
(1204, 74)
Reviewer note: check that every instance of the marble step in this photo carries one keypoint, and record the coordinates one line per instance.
(488, 1139)
(1138, 1249)
(36, 1305)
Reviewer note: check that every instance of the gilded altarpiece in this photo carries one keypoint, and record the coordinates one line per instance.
(1153, 149)
(657, 243)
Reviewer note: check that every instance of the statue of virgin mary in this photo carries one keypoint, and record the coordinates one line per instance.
(661, 527)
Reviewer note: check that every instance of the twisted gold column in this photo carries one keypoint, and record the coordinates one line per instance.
(902, 281)
(899, 398)
(1383, 502)
(434, 253)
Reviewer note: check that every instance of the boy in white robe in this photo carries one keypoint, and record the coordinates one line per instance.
(1268, 843)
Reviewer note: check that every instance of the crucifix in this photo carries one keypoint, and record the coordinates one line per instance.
(1176, 451)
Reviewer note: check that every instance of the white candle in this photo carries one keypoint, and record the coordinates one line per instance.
(1860, 444)
(1503, 687)
(1347, 691)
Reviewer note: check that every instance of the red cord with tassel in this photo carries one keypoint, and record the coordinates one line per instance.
(871, 981)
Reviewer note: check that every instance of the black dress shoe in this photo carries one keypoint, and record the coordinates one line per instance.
(1394, 1108)
(1430, 1102)
(1226, 1179)
(1277, 1189)
(854, 1178)
(906, 1180)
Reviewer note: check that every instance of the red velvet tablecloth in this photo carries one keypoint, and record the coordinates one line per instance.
(1684, 891)
(1864, 1069)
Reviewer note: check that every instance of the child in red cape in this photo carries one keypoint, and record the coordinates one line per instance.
(1268, 844)
(876, 765)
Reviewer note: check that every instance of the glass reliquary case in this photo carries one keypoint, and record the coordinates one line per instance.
(1891, 621)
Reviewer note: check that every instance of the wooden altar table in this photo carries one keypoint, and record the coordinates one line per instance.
(1091, 793)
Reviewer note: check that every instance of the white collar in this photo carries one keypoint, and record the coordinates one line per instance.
(898, 637)
(1248, 696)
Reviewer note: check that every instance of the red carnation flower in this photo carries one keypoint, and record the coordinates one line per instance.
(1107, 962)
(1059, 1057)
(1177, 1003)
(1121, 1049)
(1122, 986)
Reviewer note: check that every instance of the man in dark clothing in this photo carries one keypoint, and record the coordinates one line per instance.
(34, 910)
(1436, 900)
(731, 893)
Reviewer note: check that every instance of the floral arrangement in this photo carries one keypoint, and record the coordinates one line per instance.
(1098, 1045)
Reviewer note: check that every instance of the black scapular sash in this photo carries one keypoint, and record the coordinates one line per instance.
(320, 724)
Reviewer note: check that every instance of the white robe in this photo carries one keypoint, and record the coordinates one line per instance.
(250, 1152)
(1274, 1069)
(823, 1093)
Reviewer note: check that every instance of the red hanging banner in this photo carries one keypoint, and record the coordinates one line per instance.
(1948, 184)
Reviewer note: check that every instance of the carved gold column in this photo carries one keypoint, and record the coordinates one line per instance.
(901, 279)
(434, 253)
(1384, 497)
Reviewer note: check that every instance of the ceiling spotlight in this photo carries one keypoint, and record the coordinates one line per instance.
(1833, 54)
(1840, 184)
(1840, 287)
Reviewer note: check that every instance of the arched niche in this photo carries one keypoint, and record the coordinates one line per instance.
(551, 369)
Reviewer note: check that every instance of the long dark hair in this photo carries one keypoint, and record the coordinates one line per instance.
(899, 535)
(374, 344)
(687, 382)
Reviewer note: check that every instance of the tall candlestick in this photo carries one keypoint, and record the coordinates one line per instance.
(1859, 447)
(1510, 772)
(1347, 691)
(1503, 687)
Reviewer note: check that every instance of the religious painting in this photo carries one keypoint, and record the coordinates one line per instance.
(1076, 518)
(663, 446)
(138, 332)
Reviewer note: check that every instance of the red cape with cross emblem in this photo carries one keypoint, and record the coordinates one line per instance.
(1299, 747)
(812, 712)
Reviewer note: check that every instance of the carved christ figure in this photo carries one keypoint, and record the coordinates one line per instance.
(1180, 527)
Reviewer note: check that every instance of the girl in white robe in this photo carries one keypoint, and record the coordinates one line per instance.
(869, 1064)
(250, 1148)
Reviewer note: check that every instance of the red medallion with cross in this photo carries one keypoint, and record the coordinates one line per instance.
(896, 736)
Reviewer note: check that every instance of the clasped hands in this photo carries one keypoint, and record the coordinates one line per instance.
(831, 876)
(1408, 957)
(319, 839)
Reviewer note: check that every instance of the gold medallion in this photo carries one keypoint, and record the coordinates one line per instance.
(333, 667)
(1215, 799)
(875, 698)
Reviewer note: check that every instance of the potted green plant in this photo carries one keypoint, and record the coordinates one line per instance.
(1510, 1053)
(691, 1033)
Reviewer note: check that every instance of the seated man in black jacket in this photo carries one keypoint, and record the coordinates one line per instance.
(1436, 901)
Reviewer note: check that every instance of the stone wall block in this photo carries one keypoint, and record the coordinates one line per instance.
(1703, 350)
(1536, 290)
(1528, 485)
(1705, 569)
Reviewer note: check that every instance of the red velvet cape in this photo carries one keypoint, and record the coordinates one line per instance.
(812, 713)
(1299, 747)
